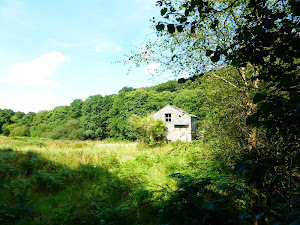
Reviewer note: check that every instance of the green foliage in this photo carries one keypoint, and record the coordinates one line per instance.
(198, 201)
(16, 117)
(20, 131)
(260, 40)
(147, 129)
(95, 113)
(265, 35)
(108, 117)
(87, 182)
(5, 118)
(126, 89)
(158, 131)
(7, 129)
(27, 119)
(40, 130)
(75, 109)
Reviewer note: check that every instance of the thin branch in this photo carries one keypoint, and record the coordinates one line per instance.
(222, 78)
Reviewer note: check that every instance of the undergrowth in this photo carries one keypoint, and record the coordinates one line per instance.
(75, 182)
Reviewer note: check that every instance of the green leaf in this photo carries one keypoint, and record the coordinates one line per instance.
(252, 120)
(241, 166)
(159, 3)
(171, 28)
(294, 96)
(258, 97)
(215, 57)
(214, 24)
(160, 27)
(209, 52)
(163, 11)
(181, 19)
(272, 58)
(187, 12)
(267, 107)
(193, 3)
(193, 28)
(179, 28)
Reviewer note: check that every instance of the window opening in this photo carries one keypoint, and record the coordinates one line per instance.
(168, 117)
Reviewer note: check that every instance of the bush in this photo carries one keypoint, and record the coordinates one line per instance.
(196, 201)
(59, 132)
(148, 130)
(20, 131)
(7, 129)
(40, 130)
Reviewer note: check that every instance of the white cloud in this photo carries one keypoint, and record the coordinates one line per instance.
(152, 68)
(35, 73)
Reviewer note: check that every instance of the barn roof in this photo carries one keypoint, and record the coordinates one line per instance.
(178, 109)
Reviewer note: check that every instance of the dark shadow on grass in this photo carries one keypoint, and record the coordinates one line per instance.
(36, 190)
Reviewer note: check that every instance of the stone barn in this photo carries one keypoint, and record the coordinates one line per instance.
(181, 125)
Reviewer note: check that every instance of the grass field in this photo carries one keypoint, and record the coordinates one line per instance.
(93, 182)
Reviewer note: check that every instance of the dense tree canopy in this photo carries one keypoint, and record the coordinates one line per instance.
(265, 36)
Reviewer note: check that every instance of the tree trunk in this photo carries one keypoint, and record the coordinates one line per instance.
(252, 137)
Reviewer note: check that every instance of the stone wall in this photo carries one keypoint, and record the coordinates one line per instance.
(176, 132)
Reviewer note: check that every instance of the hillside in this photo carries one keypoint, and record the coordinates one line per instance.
(100, 117)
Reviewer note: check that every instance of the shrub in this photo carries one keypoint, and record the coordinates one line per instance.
(148, 130)
(40, 130)
(7, 129)
(20, 131)
(197, 202)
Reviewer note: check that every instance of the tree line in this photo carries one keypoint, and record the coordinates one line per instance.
(100, 117)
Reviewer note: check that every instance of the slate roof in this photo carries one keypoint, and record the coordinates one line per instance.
(178, 109)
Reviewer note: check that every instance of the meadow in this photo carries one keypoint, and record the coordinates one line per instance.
(47, 181)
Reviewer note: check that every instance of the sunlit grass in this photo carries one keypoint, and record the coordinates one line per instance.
(72, 179)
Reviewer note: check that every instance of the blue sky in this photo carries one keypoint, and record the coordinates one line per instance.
(52, 52)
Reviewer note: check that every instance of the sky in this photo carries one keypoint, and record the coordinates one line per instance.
(53, 52)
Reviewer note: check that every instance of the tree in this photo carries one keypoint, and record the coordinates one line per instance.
(75, 108)
(20, 131)
(147, 129)
(5, 118)
(16, 117)
(126, 89)
(95, 114)
(194, 38)
(27, 119)
(260, 37)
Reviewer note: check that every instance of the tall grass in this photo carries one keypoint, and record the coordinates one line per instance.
(92, 182)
